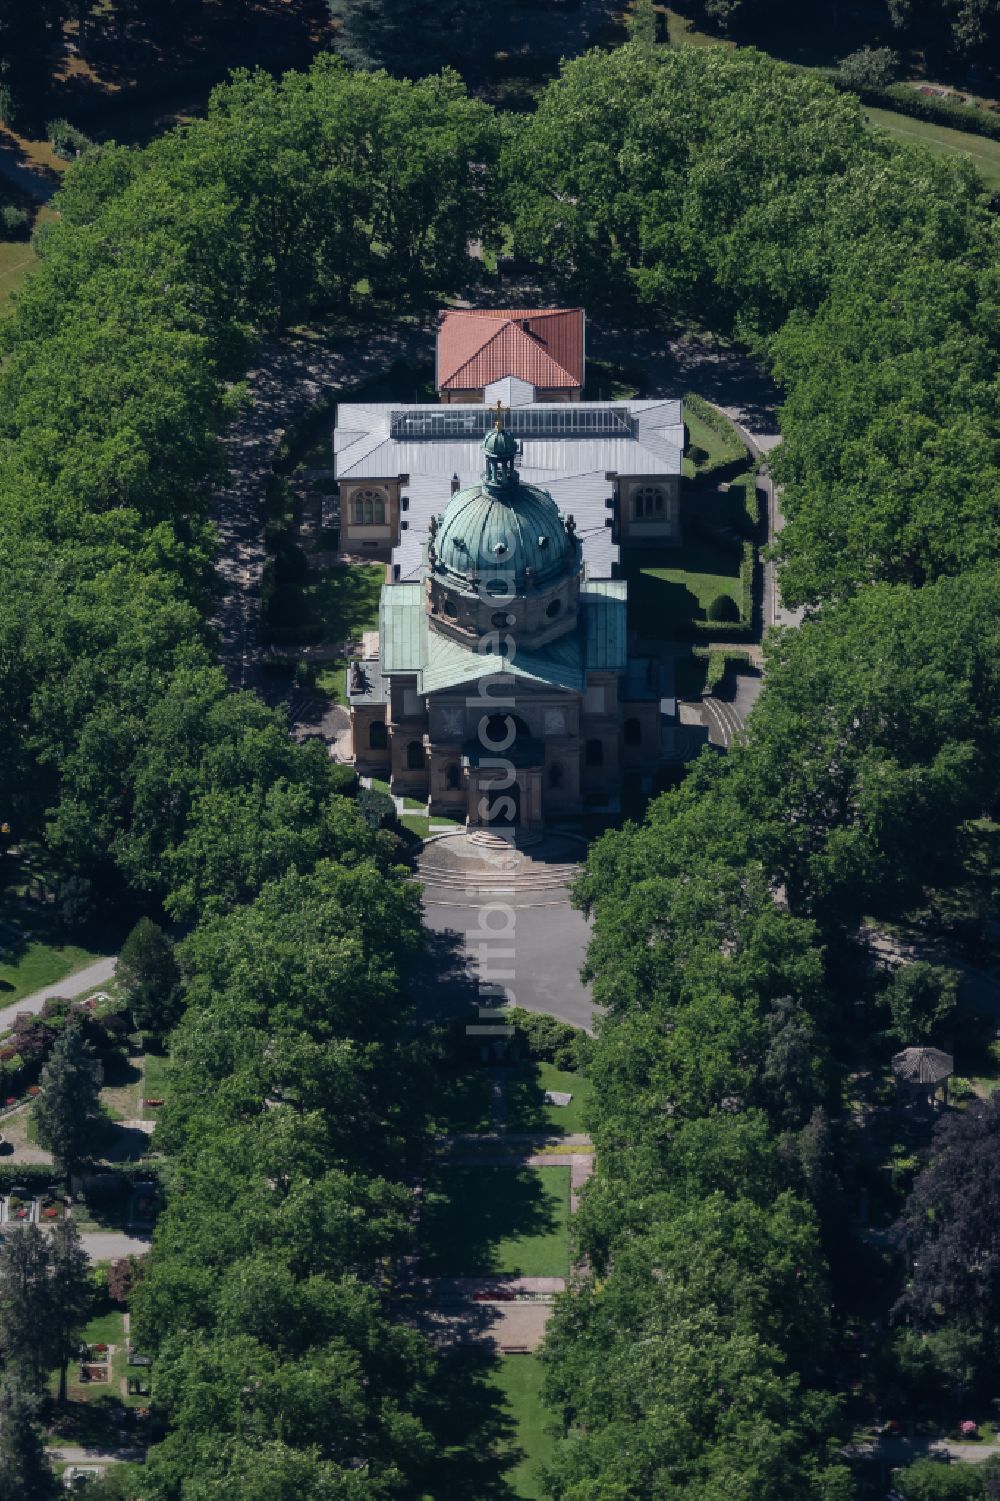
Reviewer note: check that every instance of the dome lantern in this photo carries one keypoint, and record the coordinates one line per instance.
(500, 448)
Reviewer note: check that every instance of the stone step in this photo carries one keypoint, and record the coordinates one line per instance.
(450, 882)
(517, 839)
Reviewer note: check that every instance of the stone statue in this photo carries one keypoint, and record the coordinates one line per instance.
(571, 525)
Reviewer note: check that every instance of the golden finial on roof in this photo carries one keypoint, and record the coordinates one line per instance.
(498, 414)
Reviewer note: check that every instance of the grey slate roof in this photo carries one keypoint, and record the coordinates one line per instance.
(571, 467)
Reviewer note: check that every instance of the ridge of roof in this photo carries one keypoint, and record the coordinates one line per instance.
(469, 335)
(511, 350)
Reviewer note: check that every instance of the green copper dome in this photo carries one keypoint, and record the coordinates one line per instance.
(514, 533)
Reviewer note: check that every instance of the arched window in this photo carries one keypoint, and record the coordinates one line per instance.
(414, 756)
(552, 609)
(369, 508)
(555, 775)
(378, 735)
(648, 503)
(595, 753)
(633, 732)
(453, 778)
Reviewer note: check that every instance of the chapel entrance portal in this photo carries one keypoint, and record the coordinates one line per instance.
(505, 806)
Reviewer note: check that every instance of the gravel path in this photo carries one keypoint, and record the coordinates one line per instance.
(76, 1454)
(291, 376)
(29, 179)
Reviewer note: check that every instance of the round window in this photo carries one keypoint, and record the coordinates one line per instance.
(498, 586)
(552, 609)
(501, 618)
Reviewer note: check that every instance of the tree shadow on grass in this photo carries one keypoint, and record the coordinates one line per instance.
(526, 1100)
(468, 1418)
(657, 604)
(469, 1211)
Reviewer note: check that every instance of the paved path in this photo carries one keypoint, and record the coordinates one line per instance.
(90, 978)
(537, 955)
(540, 1140)
(112, 1245)
(901, 1451)
(673, 365)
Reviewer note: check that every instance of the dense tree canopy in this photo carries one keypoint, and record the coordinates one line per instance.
(722, 189)
(726, 190)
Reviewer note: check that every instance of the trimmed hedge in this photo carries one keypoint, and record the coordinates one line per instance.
(905, 100)
(723, 607)
(718, 661)
(719, 424)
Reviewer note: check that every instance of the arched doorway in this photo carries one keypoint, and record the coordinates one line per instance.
(502, 734)
(504, 810)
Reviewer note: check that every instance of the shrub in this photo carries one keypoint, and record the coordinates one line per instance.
(15, 222)
(66, 141)
(121, 1276)
(723, 607)
(343, 781)
(376, 808)
(869, 68)
(926, 1480)
(545, 1039)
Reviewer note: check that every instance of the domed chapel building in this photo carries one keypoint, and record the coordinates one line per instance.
(503, 691)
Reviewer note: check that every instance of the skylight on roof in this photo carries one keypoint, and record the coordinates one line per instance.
(570, 421)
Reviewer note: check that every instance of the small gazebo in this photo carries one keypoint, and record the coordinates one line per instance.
(923, 1071)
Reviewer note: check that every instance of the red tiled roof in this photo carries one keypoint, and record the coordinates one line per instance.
(478, 345)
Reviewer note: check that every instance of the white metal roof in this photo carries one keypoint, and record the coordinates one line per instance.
(644, 438)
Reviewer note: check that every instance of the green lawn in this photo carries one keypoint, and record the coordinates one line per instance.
(941, 139)
(482, 1221)
(40, 964)
(671, 586)
(519, 1378)
(17, 259)
(347, 599)
(526, 1108)
(684, 33)
(155, 1085)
